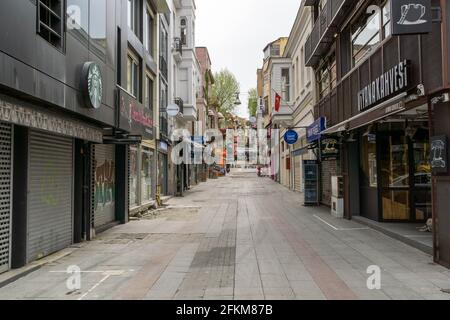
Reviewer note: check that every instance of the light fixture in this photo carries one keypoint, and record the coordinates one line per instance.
(238, 101)
(369, 131)
(351, 138)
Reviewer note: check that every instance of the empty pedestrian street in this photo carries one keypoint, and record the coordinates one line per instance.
(237, 237)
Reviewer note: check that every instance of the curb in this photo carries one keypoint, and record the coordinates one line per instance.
(16, 274)
(417, 245)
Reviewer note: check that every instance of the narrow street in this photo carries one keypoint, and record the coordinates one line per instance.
(238, 238)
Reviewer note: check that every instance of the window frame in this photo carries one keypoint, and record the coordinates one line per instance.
(132, 86)
(59, 32)
(149, 35)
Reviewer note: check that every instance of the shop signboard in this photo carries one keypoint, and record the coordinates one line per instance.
(329, 148)
(314, 130)
(291, 137)
(134, 117)
(311, 177)
(411, 17)
(393, 81)
(439, 152)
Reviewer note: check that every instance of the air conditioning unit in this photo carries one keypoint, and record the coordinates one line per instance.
(337, 196)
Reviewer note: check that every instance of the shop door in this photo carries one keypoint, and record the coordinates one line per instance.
(405, 176)
(104, 204)
(162, 173)
(5, 196)
(50, 196)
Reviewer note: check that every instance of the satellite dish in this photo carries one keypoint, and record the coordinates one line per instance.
(173, 110)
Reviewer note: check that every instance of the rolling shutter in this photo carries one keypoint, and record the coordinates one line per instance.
(298, 173)
(5, 195)
(50, 201)
(104, 185)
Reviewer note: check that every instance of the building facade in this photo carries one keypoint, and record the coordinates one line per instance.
(383, 90)
(302, 89)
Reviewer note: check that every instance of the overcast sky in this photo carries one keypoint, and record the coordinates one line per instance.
(236, 32)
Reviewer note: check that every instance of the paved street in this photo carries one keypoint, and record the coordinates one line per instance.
(239, 237)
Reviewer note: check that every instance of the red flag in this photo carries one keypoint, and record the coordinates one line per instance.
(277, 102)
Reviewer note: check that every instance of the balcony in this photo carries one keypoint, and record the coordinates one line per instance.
(189, 112)
(284, 117)
(180, 103)
(324, 30)
(177, 50)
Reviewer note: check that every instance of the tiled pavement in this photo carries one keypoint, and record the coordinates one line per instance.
(239, 237)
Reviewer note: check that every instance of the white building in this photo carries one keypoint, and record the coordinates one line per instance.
(302, 93)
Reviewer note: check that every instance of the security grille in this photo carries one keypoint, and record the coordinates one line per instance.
(50, 197)
(5, 195)
(104, 183)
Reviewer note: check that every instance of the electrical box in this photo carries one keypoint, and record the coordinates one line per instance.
(337, 197)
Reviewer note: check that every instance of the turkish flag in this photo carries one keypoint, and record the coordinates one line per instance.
(277, 102)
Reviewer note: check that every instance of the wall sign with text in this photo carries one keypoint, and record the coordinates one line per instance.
(386, 85)
(411, 17)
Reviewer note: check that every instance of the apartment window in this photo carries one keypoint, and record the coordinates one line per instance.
(275, 50)
(368, 30)
(163, 102)
(133, 75)
(183, 31)
(149, 92)
(97, 27)
(149, 31)
(285, 84)
(164, 47)
(327, 75)
(133, 16)
(51, 21)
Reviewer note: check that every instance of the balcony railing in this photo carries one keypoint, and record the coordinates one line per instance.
(326, 25)
(178, 45)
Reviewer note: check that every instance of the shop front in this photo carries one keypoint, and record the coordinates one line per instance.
(137, 120)
(395, 170)
(42, 198)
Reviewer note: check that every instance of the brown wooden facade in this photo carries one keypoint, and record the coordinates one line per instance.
(429, 63)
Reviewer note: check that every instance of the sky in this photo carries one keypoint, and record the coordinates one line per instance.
(236, 32)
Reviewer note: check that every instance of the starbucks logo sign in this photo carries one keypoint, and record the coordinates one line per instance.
(92, 85)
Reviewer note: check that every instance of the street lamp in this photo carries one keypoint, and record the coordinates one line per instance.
(238, 101)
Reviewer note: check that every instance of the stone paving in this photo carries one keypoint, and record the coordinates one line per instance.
(238, 237)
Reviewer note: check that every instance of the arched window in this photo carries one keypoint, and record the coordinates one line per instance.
(183, 31)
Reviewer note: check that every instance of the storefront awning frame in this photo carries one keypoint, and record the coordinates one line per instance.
(355, 122)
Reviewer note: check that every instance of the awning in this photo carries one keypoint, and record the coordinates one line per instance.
(211, 113)
(383, 110)
(220, 115)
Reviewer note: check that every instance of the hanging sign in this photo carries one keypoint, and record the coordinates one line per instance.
(439, 152)
(291, 137)
(313, 131)
(411, 17)
(329, 148)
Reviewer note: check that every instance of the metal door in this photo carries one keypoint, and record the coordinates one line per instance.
(104, 188)
(5, 195)
(50, 196)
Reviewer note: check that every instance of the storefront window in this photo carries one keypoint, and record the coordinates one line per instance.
(369, 160)
(133, 176)
(146, 174)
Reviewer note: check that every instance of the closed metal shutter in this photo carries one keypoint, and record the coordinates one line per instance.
(50, 200)
(5, 195)
(104, 185)
(298, 173)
